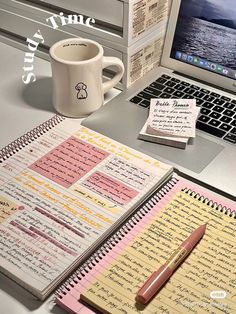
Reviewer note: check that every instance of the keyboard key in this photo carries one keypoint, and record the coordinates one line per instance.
(225, 127)
(218, 101)
(214, 122)
(218, 109)
(204, 118)
(169, 90)
(208, 98)
(185, 83)
(173, 79)
(233, 123)
(198, 94)
(187, 96)
(157, 86)
(233, 131)
(215, 115)
(195, 87)
(233, 101)
(144, 103)
(205, 111)
(154, 85)
(189, 90)
(230, 138)
(225, 98)
(178, 94)
(165, 95)
(152, 91)
(215, 94)
(228, 112)
(180, 87)
(229, 105)
(136, 99)
(170, 84)
(166, 76)
(208, 105)
(210, 129)
(161, 80)
(199, 101)
(205, 91)
(225, 119)
(145, 95)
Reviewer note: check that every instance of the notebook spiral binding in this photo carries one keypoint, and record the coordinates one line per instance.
(223, 209)
(12, 148)
(114, 240)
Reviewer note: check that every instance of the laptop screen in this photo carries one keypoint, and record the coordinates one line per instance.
(205, 35)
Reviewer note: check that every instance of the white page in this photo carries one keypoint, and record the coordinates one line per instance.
(173, 117)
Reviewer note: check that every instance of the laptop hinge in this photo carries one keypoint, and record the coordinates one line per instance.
(204, 82)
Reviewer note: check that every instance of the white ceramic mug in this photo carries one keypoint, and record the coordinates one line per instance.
(77, 64)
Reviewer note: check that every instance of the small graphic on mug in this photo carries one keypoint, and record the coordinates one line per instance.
(82, 90)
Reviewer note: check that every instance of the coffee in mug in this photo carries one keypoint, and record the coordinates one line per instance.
(77, 64)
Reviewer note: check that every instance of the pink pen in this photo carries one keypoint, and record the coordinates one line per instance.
(159, 277)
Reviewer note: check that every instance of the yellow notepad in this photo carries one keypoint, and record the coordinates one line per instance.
(205, 282)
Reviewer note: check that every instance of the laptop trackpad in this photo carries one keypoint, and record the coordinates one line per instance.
(195, 157)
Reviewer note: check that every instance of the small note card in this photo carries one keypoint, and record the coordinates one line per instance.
(171, 122)
(173, 116)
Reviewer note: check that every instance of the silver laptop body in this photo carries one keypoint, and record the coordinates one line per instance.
(210, 159)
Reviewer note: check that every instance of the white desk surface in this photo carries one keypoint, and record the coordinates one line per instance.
(23, 107)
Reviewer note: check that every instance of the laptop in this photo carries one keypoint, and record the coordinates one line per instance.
(198, 61)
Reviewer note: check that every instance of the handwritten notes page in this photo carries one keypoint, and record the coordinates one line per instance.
(60, 194)
(171, 122)
(210, 267)
(173, 117)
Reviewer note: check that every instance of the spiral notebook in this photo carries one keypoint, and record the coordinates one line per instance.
(205, 283)
(63, 189)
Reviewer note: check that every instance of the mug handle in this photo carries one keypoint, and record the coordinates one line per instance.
(108, 61)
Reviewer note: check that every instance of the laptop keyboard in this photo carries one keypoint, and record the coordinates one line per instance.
(217, 115)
